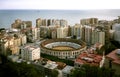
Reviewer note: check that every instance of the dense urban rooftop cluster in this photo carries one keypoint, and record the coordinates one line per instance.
(89, 38)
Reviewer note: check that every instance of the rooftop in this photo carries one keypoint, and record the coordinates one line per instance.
(51, 65)
(30, 47)
(88, 57)
(114, 56)
(67, 69)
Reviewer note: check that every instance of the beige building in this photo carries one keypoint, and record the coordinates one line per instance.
(23, 38)
(77, 30)
(14, 50)
(43, 31)
(62, 32)
(38, 22)
(5, 43)
(35, 33)
(54, 34)
(88, 33)
(57, 22)
(30, 52)
(49, 22)
(84, 21)
(12, 43)
(19, 24)
(44, 22)
(63, 23)
(16, 24)
(98, 37)
(17, 41)
(89, 21)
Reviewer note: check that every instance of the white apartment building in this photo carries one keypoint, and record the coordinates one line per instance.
(116, 35)
(76, 30)
(23, 38)
(35, 33)
(88, 33)
(62, 32)
(98, 37)
(30, 52)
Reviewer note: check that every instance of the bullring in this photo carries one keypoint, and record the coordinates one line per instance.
(63, 48)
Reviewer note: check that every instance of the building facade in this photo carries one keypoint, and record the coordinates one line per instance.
(113, 60)
(30, 52)
(62, 32)
(78, 47)
(38, 22)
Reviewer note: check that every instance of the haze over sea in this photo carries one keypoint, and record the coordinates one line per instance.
(7, 17)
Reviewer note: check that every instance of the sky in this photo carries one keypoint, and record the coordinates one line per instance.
(59, 4)
(70, 10)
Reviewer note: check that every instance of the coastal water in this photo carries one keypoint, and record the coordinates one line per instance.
(7, 17)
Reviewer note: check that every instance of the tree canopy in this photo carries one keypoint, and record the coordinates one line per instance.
(11, 69)
(92, 71)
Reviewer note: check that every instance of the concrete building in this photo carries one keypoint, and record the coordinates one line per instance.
(69, 31)
(51, 65)
(62, 32)
(16, 24)
(52, 31)
(30, 52)
(43, 31)
(89, 57)
(101, 37)
(53, 22)
(35, 33)
(54, 34)
(89, 21)
(88, 33)
(83, 33)
(5, 43)
(49, 22)
(23, 25)
(3, 46)
(10, 43)
(98, 37)
(63, 23)
(77, 30)
(57, 22)
(44, 22)
(38, 22)
(111, 34)
(14, 50)
(19, 24)
(93, 21)
(28, 24)
(66, 71)
(113, 60)
(17, 41)
(23, 38)
(116, 34)
(84, 21)
(92, 35)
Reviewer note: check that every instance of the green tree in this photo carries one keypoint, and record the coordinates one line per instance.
(92, 71)
(55, 73)
(8, 68)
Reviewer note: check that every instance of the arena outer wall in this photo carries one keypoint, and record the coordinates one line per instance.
(63, 54)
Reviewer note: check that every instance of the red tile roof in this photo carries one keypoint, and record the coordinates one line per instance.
(88, 58)
(114, 57)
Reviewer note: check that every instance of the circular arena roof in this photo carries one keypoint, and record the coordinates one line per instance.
(63, 44)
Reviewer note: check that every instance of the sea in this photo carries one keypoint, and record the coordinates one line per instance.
(7, 17)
